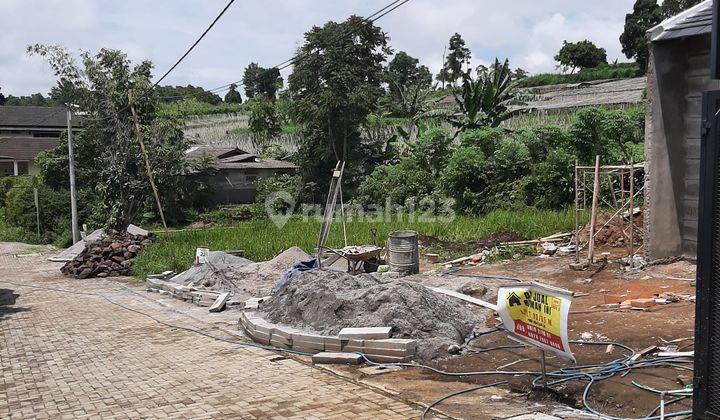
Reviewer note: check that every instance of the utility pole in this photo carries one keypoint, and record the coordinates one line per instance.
(71, 159)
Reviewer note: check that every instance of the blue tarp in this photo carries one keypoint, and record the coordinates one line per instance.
(293, 272)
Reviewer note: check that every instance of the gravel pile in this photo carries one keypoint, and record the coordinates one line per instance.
(328, 301)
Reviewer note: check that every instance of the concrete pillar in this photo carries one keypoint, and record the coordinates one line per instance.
(16, 169)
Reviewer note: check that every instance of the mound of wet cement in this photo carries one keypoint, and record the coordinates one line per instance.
(328, 301)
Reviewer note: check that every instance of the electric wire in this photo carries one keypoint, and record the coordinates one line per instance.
(189, 50)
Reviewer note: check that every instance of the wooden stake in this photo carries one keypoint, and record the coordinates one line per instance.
(147, 166)
(632, 213)
(593, 214)
(577, 217)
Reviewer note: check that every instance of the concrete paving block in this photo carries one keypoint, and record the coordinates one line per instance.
(337, 358)
(333, 344)
(264, 326)
(353, 345)
(309, 345)
(367, 333)
(305, 349)
(280, 339)
(279, 343)
(388, 352)
(260, 337)
(286, 332)
(392, 343)
(220, 302)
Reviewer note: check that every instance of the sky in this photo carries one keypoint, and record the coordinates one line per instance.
(528, 32)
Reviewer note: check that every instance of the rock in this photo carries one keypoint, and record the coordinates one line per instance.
(473, 289)
(549, 248)
(454, 349)
(586, 336)
(643, 303)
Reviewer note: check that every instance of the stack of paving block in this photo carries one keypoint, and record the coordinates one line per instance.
(372, 342)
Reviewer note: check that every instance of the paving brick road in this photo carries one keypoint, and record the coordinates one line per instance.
(76, 356)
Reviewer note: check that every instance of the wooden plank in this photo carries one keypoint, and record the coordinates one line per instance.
(464, 297)
(220, 302)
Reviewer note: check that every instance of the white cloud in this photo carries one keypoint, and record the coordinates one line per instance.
(529, 32)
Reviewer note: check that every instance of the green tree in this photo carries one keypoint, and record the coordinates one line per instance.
(263, 121)
(487, 100)
(407, 80)
(171, 94)
(109, 164)
(580, 55)
(671, 8)
(2, 98)
(458, 58)
(258, 80)
(233, 96)
(645, 15)
(36, 99)
(334, 87)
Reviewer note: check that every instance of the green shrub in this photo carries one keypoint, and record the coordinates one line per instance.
(464, 179)
(432, 149)
(551, 185)
(275, 191)
(20, 211)
(226, 216)
(395, 183)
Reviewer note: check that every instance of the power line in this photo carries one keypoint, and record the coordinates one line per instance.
(296, 58)
(194, 44)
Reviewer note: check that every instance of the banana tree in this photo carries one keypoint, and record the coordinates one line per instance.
(488, 100)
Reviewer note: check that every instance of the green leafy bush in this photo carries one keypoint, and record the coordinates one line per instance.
(20, 211)
(432, 149)
(464, 178)
(396, 183)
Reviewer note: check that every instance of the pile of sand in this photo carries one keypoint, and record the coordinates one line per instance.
(327, 301)
(225, 272)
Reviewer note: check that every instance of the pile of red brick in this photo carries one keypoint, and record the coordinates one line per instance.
(111, 256)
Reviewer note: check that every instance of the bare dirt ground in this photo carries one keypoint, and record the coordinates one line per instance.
(635, 329)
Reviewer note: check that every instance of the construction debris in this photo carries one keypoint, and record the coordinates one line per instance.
(77, 249)
(111, 256)
(220, 302)
(328, 301)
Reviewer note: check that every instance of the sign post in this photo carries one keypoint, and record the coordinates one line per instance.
(537, 315)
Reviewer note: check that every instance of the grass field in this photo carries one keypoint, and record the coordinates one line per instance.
(262, 240)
